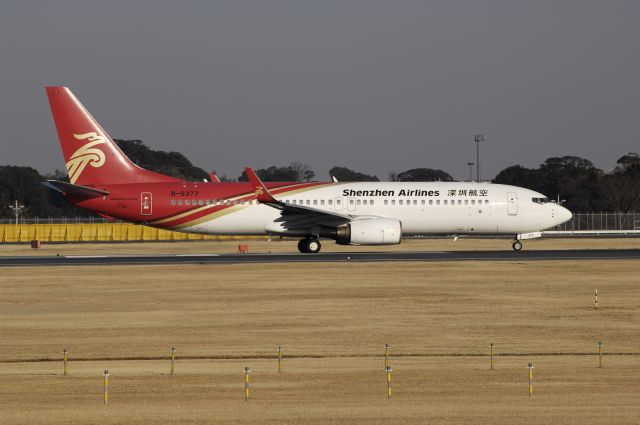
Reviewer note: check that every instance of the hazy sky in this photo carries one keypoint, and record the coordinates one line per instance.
(373, 85)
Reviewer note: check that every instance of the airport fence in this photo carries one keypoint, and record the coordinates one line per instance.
(95, 232)
(599, 221)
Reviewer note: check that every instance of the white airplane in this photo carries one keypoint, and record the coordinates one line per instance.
(104, 180)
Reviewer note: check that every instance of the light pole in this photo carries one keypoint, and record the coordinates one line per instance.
(17, 210)
(470, 164)
(478, 138)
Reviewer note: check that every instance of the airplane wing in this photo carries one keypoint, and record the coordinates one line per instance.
(295, 216)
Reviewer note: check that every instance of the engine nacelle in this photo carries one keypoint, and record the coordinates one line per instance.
(370, 231)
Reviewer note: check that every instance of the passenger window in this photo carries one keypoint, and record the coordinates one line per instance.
(173, 202)
(430, 201)
(338, 202)
(486, 202)
(371, 202)
(322, 202)
(315, 202)
(400, 202)
(415, 202)
(438, 202)
(187, 202)
(386, 202)
(351, 201)
(473, 202)
(445, 202)
(459, 201)
(179, 201)
(308, 201)
(393, 202)
(466, 202)
(422, 202)
(364, 202)
(330, 202)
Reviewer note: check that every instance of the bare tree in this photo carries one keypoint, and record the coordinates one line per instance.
(620, 193)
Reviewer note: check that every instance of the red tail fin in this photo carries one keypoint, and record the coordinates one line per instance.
(92, 158)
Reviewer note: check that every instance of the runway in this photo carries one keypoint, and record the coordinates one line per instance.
(428, 256)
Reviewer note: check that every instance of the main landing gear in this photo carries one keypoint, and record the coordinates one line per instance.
(516, 245)
(309, 246)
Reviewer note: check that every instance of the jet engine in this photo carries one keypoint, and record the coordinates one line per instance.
(369, 231)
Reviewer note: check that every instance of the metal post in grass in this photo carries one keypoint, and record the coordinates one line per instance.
(173, 360)
(492, 346)
(596, 297)
(279, 358)
(65, 360)
(387, 347)
(388, 370)
(247, 378)
(530, 367)
(105, 396)
(600, 354)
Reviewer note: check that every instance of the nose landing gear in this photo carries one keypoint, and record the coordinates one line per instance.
(516, 245)
(309, 246)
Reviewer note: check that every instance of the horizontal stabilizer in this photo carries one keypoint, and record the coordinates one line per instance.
(74, 189)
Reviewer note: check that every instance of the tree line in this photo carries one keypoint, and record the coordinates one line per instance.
(570, 179)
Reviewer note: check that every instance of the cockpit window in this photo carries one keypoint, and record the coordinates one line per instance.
(541, 200)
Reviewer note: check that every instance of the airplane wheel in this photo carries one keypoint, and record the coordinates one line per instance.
(303, 246)
(313, 246)
(517, 246)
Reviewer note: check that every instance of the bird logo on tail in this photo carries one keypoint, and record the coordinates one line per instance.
(86, 155)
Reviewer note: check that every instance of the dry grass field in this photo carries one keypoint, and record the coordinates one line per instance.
(332, 321)
(290, 246)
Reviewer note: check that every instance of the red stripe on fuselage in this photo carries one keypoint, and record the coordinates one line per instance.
(123, 201)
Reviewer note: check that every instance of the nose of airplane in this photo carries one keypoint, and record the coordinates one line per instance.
(564, 214)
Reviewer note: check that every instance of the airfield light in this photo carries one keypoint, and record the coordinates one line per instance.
(65, 359)
(600, 354)
(530, 367)
(388, 370)
(247, 378)
(105, 397)
(386, 356)
(279, 358)
(492, 345)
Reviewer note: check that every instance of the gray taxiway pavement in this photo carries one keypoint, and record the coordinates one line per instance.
(80, 260)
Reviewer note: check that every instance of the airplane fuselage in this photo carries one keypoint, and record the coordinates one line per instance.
(422, 208)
